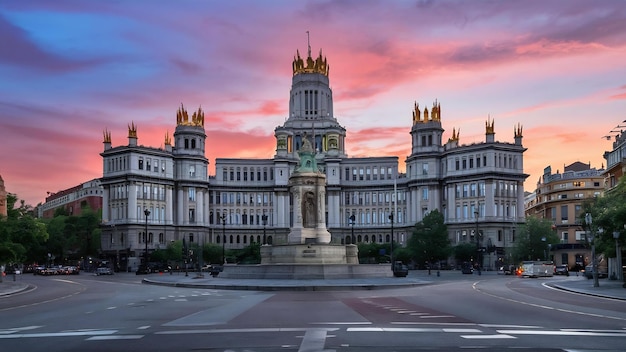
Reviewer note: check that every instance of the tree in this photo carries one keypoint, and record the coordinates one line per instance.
(429, 241)
(534, 239)
(464, 252)
(22, 237)
(608, 215)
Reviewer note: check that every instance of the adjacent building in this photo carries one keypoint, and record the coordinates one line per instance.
(559, 198)
(153, 196)
(73, 200)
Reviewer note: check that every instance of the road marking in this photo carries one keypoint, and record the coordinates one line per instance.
(564, 333)
(115, 337)
(436, 316)
(476, 337)
(475, 287)
(14, 330)
(313, 341)
(61, 334)
(344, 323)
(143, 327)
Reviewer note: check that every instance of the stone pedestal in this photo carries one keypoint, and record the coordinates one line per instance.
(309, 254)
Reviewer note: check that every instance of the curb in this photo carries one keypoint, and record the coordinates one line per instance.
(587, 293)
(278, 287)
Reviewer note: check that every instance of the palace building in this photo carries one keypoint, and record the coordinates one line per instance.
(168, 193)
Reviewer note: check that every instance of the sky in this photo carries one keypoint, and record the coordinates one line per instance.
(70, 69)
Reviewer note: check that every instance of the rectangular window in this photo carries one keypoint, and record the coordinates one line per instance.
(148, 167)
(564, 213)
(156, 165)
(424, 193)
(140, 163)
(192, 215)
(192, 194)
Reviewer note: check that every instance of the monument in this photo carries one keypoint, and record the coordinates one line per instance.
(308, 253)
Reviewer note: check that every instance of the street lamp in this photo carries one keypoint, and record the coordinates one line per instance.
(618, 256)
(264, 220)
(594, 264)
(352, 221)
(147, 213)
(223, 218)
(391, 254)
(478, 249)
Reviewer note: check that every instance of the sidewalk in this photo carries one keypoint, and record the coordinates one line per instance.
(9, 287)
(608, 288)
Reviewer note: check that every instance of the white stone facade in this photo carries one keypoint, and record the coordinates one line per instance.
(173, 183)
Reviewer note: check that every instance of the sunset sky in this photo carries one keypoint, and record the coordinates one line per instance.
(69, 69)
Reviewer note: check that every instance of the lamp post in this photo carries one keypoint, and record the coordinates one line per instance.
(391, 254)
(478, 249)
(594, 263)
(352, 221)
(146, 213)
(264, 220)
(223, 218)
(618, 256)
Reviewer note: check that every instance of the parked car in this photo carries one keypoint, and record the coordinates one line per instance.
(561, 270)
(589, 272)
(103, 271)
(143, 269)
(466, 268)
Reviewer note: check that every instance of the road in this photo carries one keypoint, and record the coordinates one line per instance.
(457, 312)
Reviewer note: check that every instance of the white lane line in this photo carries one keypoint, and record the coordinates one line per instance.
(115, 337)
(143, 327)
(14, 330)
(436, 316)
(563, 333)
(62, 334)
(313, 341)
(484, 337)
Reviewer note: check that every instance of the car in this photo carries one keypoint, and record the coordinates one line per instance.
(466, 268)
(589, 272)
(103, 271)
(143, 269)
(561, 270)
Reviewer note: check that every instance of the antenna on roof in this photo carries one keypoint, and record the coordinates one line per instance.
(308, 41)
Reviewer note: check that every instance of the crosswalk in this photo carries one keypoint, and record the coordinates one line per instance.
(476, 332)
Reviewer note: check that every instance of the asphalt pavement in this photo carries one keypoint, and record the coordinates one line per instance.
(579, 284)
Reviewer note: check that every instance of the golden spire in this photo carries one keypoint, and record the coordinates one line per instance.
(319, 65)
(518, 131)
(182, 117)
(416, 113)
(489, 126)
(107, 136)
(455, 135)
(435, 113)
(132, 130)
(168, 140)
